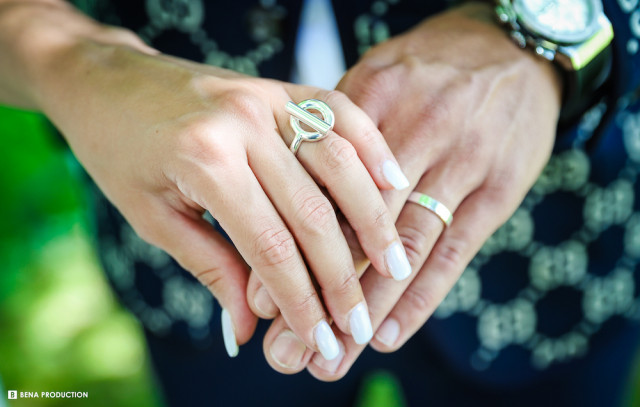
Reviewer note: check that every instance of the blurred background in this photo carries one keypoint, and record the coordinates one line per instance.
(60, 327)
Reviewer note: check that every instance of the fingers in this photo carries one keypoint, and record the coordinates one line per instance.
(313, 222)
(336, 163)
(270, 249)
(476, 219)
(484, 209)
(193, 243)
(381, 295)
(359, 200)
(419, 229)
(353, 124)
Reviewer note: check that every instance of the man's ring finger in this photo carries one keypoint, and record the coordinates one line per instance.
(433, 205)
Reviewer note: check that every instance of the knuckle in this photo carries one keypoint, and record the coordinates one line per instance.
(504, 180)
(304, 303)
(360, 90)
(335, 98)
(314, 212)
(338, 153)
(244, 103)
(212, 278)
(197, 144)
(419, 301)
(503, 198)
(415, 242)
(382, 218)
(380, 81)
(451, 254)
(275, 247)
(344, 286)
(498, 193)
(369, 135)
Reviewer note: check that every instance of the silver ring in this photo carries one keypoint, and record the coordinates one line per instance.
(433, 205)
(300, 113)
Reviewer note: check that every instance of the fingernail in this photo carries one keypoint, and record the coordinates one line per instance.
(326, 341)
(388, 332)
(360, 324)
(228, 335)
(397, 262)
(264, 303)
(287, 350)
(329, 366)
(394, 175)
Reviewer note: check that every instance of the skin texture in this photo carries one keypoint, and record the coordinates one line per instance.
(166, 139)
(470, 117)
(472, 120)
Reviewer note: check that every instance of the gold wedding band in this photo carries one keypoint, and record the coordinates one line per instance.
(433, 205)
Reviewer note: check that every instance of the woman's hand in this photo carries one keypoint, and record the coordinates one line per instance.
(472, 120)
(166, 139)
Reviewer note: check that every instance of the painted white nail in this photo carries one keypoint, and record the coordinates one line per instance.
(397, 262)
(229, 335)
(326, 341)
(329, 366)
(394, 175)
(388, 332)
(360, 324)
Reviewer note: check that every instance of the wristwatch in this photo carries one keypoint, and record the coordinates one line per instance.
(574, 34)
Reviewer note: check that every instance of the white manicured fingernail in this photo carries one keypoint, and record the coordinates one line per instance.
(397, 262)
(394, 175)
(329, 366)
(228, 335)
(326, 341)
(360, 324)
(388, 332)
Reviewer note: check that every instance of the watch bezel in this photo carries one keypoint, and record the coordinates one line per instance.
(530, 22)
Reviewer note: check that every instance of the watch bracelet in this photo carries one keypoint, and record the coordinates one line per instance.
(577, 97)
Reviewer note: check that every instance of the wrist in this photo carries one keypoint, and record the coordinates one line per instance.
(574, 35)
(43, 49)
(483, 12)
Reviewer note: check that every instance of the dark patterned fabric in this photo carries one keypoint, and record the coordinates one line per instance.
(549, 304)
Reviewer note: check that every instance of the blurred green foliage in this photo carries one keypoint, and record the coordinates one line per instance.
(60, 327)
(381, 389)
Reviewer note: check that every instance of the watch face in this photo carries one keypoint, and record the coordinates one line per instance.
(560, 21)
